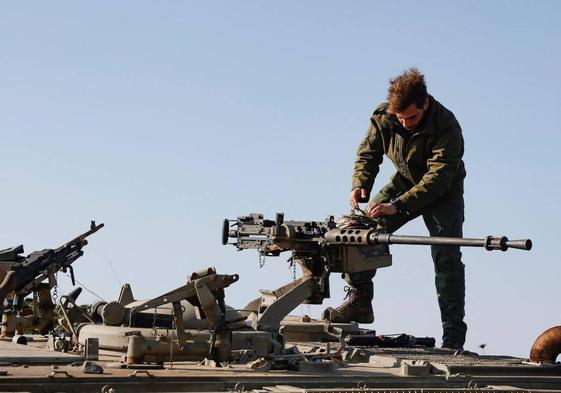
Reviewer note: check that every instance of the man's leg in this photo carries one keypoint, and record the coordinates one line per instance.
(360, 292)
(446, 219)
(358, 301)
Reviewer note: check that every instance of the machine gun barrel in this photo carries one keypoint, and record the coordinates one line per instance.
(489, 243)
(363, 237)
(80, 241)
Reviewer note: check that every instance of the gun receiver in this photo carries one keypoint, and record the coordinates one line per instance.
(321, 247)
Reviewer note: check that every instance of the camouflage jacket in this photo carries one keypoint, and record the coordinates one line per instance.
(429, 165)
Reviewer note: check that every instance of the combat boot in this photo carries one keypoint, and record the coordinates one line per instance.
(356, 308)
(452, 345)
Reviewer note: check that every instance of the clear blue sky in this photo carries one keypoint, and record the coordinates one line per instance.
(162, 118)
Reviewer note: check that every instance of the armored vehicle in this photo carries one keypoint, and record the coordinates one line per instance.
(189, 340)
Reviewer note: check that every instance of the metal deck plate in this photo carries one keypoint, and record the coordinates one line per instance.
(466, 362)
(24, 354)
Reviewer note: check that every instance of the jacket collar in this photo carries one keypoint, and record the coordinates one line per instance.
(428, 123)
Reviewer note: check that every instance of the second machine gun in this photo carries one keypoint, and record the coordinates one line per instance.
(21, 276)
(321, 248)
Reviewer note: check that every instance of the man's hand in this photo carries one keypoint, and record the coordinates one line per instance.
(381, 209)
(358, 195)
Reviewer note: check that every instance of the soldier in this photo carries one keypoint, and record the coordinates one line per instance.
(424, 141)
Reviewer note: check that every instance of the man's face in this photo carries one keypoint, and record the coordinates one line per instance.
(411, 116)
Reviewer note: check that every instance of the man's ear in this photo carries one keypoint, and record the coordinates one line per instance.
(426, 104)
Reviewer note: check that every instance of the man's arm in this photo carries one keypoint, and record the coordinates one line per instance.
(370, 154)
(442, 168)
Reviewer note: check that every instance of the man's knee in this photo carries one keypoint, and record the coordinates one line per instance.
(449, 273)
(445, 219)
(447, 260)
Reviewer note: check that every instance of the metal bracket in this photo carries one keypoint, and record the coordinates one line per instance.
(136, 373)
(63, 372)
(276, 304)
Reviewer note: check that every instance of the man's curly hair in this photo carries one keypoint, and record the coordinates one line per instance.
(405, 89)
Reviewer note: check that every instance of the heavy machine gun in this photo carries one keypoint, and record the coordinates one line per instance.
(22, 276)
(324, 247)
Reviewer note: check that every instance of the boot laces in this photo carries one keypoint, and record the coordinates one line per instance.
(350, 291)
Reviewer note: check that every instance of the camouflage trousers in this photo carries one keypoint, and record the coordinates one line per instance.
(441, 219)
